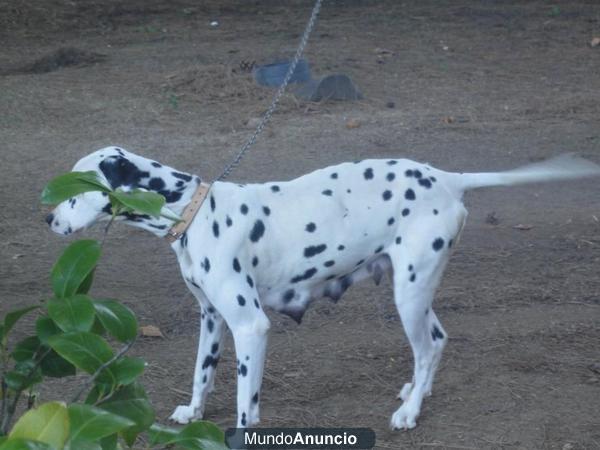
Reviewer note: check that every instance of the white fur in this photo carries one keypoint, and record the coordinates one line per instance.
(285, 244)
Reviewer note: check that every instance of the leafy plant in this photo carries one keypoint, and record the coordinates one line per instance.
(73, 333)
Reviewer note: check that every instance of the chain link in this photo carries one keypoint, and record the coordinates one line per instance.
(277, 97)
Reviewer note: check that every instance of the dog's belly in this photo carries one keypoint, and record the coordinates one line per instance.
(294, 300)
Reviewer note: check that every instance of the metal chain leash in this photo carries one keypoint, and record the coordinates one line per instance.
(277, 97)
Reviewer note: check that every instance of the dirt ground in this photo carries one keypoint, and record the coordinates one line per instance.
(464, 85)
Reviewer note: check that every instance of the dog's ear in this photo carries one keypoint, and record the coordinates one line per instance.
(119, 171)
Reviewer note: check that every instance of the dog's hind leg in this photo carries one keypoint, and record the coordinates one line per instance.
(417, 270)
(209, 350)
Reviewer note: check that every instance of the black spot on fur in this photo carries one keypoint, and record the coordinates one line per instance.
(368, 174)
(410, 267)
(387, 195)
(156, 184)
(155, 164)
(391, 221)
(379, 249)
(413, 277)
(341, 247)
(170, 196)
(255, 261)
(392, 162)
(435, 212)
(182, 176)
(410, 194)
(288, 296)
(310, 227)
(327, 192)
(250, 281)
(256, 303)
(119, 171)
(266, 210)
(243, 419)
(204, 379)
(425, 183)
(405, 212)
(436, 333)
(314, 250)
(236, 265)
(215, 228)
(210, 325)
(243, 372)
(255, 398)
(206, 265)
(450, 243)
(228, 221)
(417, 173)
(409, 173)
(329, 263)
(215, 348)
(257, 231)
(241, 300)
(334, 175)
(213, 204)
(244, 209)
(305, 276)
(390, 176)
(275, 188)
(433, 179)
(438, 244)
(210, 361)
(398, 240)
(360, 262)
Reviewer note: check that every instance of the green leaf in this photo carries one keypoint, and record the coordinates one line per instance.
(72, 313)
(85, 350)
(68, 185)
(54, 365)
(11, 319)
(203, 429)
(199, 435)
(131, 402)
(84, 445)
(48, 424)
(117, 318)
(160, 434)
(24, 444)
(139, 201)
(86, 284)
(91, 423)
(125, 370)
(74, 266)
(45, 327)
(109, 442)
(26, 349)
(25, 375)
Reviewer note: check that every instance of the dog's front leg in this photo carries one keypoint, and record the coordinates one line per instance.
(239, 306)
(209, 350)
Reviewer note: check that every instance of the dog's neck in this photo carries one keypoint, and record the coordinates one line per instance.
(130, 171)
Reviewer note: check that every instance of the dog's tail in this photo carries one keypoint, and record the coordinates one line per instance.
(563, 167)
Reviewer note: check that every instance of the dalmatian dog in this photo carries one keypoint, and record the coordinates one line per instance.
(284, 244)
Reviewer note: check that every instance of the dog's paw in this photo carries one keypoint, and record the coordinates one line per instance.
(185, 414)
(404, 418)
(405, 392)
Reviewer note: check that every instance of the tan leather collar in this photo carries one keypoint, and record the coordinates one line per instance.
(189, 212)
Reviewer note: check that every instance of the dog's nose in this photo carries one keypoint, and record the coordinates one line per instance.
(49, 218)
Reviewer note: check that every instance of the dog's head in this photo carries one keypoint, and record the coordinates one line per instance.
(118, 168)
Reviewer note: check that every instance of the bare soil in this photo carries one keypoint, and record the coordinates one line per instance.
(464, 85)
